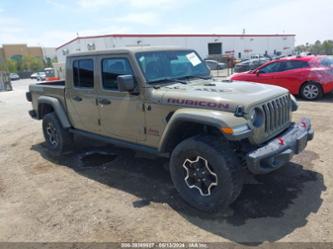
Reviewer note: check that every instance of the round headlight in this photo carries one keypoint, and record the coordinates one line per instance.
(256, 117)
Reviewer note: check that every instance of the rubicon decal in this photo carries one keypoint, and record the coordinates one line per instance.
(213, 90)
(199, 103)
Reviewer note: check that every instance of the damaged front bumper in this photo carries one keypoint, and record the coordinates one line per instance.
(281, 149)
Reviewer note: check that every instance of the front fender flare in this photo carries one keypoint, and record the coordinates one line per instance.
(212, 118)
(58, 108)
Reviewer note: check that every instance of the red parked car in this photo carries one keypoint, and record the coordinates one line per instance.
(310, 76)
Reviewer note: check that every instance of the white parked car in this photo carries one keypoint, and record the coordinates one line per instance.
(41, 76)
(34, 76)
(14, 76)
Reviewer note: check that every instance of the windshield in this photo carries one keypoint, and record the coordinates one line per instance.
(171, 65)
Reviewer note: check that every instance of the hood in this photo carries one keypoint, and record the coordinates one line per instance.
(240, 73)
(235, 75)
(218, 95)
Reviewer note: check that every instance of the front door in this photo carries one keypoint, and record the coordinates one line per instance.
(267, 74)
(81, 95)
(121, 113)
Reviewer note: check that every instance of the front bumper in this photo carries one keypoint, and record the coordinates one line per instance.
(28, 96)
(328, 87)
(281, 149)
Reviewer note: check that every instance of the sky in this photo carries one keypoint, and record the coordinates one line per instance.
(53, 22)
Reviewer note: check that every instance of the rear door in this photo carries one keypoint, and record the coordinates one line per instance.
(121, 113)
(292, 74)
(81, 94)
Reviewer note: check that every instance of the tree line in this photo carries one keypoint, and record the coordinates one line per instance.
(325, 47)
(26, 64)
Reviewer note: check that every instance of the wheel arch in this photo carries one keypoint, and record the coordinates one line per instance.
(309, 81)
(186, 123)
(48, 104)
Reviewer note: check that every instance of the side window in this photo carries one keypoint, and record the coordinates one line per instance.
(83, 73)
(290, 65)
(327, 61)
(271, 68)
(111, 69)
(76, 78)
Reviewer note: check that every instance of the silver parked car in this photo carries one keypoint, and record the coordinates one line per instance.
(215, 65)
(14, 76)
(250, 64)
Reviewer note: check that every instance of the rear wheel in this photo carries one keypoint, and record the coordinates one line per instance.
(311, 91)
(58, 139)
(206, 173)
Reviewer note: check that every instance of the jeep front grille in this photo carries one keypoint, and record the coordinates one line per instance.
(277, 114)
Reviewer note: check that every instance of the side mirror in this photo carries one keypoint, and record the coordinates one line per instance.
(258, 73)
(125, 83)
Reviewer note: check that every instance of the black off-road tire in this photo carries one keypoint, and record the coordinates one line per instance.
(62, 137)
(222, 161)
(304, 92)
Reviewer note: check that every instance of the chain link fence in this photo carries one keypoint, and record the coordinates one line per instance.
(5, 83)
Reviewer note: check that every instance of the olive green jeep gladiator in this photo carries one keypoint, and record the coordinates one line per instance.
(164, 101)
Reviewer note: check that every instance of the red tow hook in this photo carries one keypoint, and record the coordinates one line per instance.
(303, 124)
(281, 141)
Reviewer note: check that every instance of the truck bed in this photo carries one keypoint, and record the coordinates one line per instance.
(54, 89)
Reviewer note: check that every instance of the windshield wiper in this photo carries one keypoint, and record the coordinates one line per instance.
(167, 80)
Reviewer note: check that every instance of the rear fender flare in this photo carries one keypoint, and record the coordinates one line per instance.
(58, 109)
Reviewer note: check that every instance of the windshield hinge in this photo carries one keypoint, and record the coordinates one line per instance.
(146, 107)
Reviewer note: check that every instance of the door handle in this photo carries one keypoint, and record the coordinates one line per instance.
(104, 101)
(77, 98)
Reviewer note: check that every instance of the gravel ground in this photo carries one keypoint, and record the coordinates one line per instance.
(128, 196)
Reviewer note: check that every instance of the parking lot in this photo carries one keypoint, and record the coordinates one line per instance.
(121, 195)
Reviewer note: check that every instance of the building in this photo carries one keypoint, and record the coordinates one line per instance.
(49, 52)
(11, 51)
(237, 45)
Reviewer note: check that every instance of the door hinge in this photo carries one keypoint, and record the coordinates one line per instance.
(144, 130)
(99, 122)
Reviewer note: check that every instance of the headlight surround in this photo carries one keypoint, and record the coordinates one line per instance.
(256, 116)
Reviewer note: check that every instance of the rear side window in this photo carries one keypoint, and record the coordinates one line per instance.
(327, 61)
(111, 69)
(83, 73)
(290, 65)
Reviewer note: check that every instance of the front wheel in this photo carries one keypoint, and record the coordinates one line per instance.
(206, 173)
(58, 139)
(311, 91)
